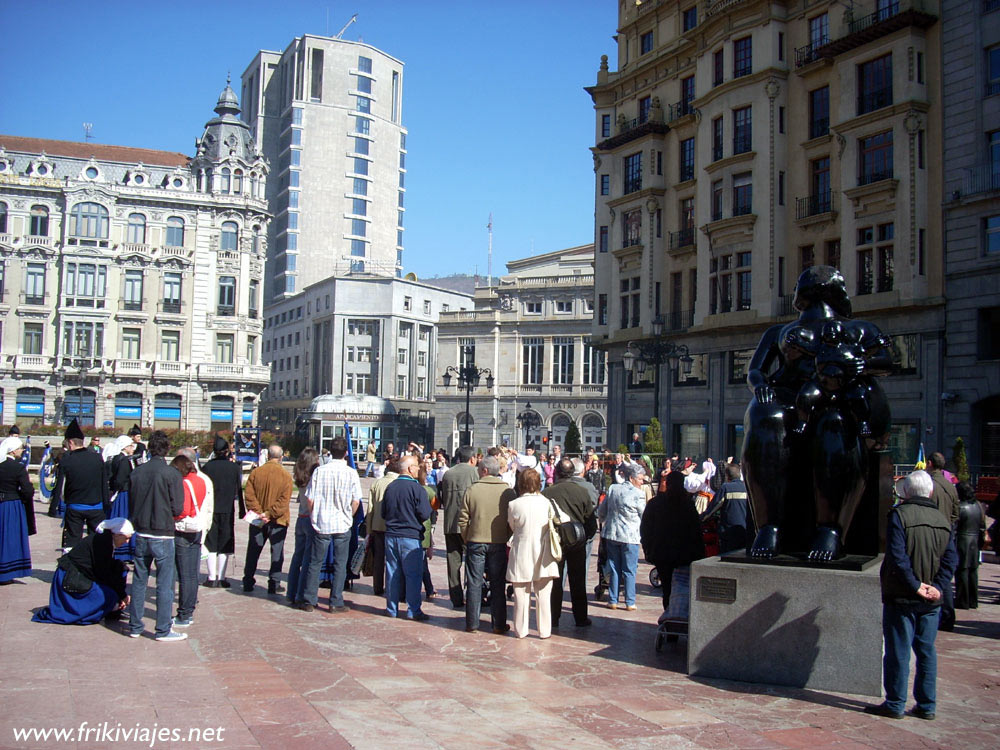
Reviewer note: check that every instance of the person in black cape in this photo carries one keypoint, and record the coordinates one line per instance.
(83, 485)
(227, 479)
(17, 512)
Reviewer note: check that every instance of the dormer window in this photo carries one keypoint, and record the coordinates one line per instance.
(91, 173)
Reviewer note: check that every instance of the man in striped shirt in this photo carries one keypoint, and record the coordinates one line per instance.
(335, 493)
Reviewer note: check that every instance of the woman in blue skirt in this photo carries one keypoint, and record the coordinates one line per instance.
(89, 583)
(121, 465)
(17, 512)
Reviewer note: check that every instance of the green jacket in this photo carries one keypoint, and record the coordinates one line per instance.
(451, 490)
(483, 515)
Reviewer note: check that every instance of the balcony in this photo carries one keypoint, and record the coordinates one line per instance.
(814, 205)
(868, 28)
(992, 88)
(133, 367)
(135, 247)
(169, 369)
(6, 238)
(869, 101)
(678, 320)
(32, 363)
(683, 238)
(170, 306)
(681, 109)
(990, 5)
(132, 305)
(34, 299)
(742, 143)
(37, 240)
(867, 178)
(632, 130)
(811, 52)
(225, 311)
(982, 179)
(785, 305)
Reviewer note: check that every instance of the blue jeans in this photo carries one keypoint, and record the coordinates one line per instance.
(146, 551)
(491, 560)
(403, 560)
(320, 544)
(299, 568)
(623, 560)
(187, 558)
(905, 627)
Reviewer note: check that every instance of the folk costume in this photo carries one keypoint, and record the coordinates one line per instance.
(17, 512)
(83, 485)
(220, 541)
(120, 465)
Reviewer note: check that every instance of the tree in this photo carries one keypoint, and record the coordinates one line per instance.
(654, 437)
(571, 444)
(960, 461)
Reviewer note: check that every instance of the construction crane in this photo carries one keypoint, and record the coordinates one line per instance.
(340, 33)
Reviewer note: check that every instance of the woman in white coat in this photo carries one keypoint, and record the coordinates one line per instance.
(530, 566)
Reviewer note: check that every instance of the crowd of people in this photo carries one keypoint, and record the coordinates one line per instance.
(515, 526)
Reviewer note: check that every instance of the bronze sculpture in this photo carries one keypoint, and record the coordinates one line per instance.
(816, 416)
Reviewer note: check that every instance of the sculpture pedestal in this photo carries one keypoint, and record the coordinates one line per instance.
(799, 627)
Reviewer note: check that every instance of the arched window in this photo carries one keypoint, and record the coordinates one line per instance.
(593, 431)
(89, 220)
(3, 217)
(39, 221)
(238, 181)
(230, 233)
(175, 232)
(224, 180)
(136, 229)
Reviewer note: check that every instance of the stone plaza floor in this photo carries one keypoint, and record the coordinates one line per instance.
(274, 677)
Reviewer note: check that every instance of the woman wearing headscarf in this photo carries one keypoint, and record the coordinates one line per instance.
(89, 582)
(17, 512)
(530, 565)
(120, 452)
(220, 541)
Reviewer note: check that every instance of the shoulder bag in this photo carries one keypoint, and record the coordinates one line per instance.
(555, 544)
(571, 533)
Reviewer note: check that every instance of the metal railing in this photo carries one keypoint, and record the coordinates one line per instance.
(813, 205)
(992, 88)
(717, 151)
(225, 311)
(865, 22)
(683, 238)
(990, 5)
(679, 110)
(785, 305)
(809, 52)
(171, 306)
(678, 320)
(876, 99)
(686, 173)
(982, 179)
(132, 305)
(867, 178)
(742, 143)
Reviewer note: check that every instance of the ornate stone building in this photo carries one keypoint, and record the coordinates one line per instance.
(130, 280)
(738, 142)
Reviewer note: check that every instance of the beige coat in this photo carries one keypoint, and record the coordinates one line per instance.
(530, 553)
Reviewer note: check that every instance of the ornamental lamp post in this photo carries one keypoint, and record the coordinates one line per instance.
(529, 420)
(469, 377)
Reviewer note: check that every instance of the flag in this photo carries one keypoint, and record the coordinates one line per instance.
(921, 463)
(350, 448)
(26, 456)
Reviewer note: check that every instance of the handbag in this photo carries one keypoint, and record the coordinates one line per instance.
(190, 524)
(555, 544)
(358, 558)
(368, 563)
(571, 533)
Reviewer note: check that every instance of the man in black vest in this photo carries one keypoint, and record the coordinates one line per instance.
(577, 498)
(919, 562)
(83, 485)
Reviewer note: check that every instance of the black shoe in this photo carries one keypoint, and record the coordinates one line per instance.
(922, 713)
(305, 606)
(884, 711)
(248, 588)
(420, 617)
(325, 585)
(471, 630)
(273, 587)
(224, 584)
(211, 584)
(501, 631)
(585, 623)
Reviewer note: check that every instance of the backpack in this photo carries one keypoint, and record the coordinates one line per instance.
(188, 521)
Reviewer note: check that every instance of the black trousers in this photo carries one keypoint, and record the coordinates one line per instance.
(666, 579)
(455, 548)
(75, 521)
(275, 535)
(967, 580)
(377, 540)
(574, 562)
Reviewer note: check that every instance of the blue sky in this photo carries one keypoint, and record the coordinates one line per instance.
(493, 98)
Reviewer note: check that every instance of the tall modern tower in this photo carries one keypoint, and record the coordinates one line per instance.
(327, 114)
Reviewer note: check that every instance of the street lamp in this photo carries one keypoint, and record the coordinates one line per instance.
(81, 365)
(468, 378)
(639, 354)
(529, 420)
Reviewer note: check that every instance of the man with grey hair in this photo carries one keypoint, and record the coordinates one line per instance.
(919, 562)
(577, 498)
(482, 522)
(268, 493)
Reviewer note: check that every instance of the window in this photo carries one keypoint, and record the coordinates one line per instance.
(532, 360)
(360, 165)
(602, 239)
(686, 214)
(421, 358)
(717, 137)
(875, 158)
(742, 57)
(605, 126)
(605, 184)
(687, 160)
(633, 173)
(421, 388)
(362, 125)
(359, 206)
(991, 243)
(819, 112)
(364, 84)
(743, 281)
(630, 302)
(175, 232)
(718, 68)
(988, 333)
(645, 105)
(742, 133)
(86, 285)
(359, 227)
(993, 70)
(136, 230)
(781, 119)
(532, 308)
(131, 343)
(360, 186)
(3, 217)
(920, 149)
(833, 253)
(227, 295)
(742, 194)
(39, 226)
(401, 356)
(820, 185)
(687, 95)
(230, 232)
(83, 339)
(427, 307)
(224, 178)
(89, 220)
(34, 284)
(689, 18)
(224, 348)
(720, 298)
(807, 257)
(593, 365)
(34, 334)
(407, 303)
(602, 309)
(875, 84)
(920, 67)
(781, 188)
(172, 292)
(564, 306)
(364, 64)
(361, 146)
(717, 200)
(781, 46)
(132, 298)
(562, 360)
(395, 96)
(631, 227)
(364, 104)
(646, 43)
(870, 278)
(819, 31)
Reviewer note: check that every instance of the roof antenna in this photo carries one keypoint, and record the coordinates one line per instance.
(87, 128)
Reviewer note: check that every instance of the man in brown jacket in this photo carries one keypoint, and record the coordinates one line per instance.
(267, 493)
(482, 522)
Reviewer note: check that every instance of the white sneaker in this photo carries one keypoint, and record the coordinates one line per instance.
(172, 636)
